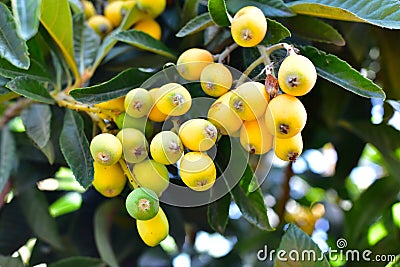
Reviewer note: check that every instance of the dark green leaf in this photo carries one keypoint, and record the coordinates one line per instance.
(34, 206)
(218, 213)
(75, 148)
(218, 12)
(341, 73)
(12, 47)
(383, 13)
(7, 155)
(144, 41)
(118, 86)
(102, 224)
(276, 32)
(36, 120)
(189, 10)
(56, 18)
(10, 261)
(30, 88)
(307, 252)
(369, 207)
(195, 25)
(78, 261)
(48, 151)
(26, 15)
(395, 104)
(86, 43)
(314, 29)
(271, 8)
(36, 71)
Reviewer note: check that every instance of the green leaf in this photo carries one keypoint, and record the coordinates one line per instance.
(78, 261)
(118, 86)
(196, 24)
(385, 13)
(395, 104)
(30, 88)
(341, 73)
(7, 155)
(276, 32)
(86, 43)
(103, 219)
(12, 47)
(271, 8)
(56, 18)
(299, 250)
(189, 10)
(369, 207)
(315, 29)
(36, 120)
(35, 71)
(218, 213)
(34, 206)
(48, 151)
(26, 15)
(144, 41)
(10, 261)
(75, 148)
(218, 12)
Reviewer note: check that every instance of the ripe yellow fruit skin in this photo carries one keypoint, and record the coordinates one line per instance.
(197, 171)
(155, 114)
(215, 79)
(108, 180)
(151, 174)
(106, 149)
(113, 13)
(285, 116)
(297, 75)
(155, 230)
(166, 147)
(249, 26)
(223, 117)
(138, 102)
(100, 24)
(88, 9)
(173, 99)
(198, 134)
(255, 138)
(249, 100)
(134, 144)
(153, 8)
(149, 26)
(191, 63)
(289, 149)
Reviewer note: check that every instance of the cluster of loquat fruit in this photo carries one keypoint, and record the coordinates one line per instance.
(115, 10)
(246, 110)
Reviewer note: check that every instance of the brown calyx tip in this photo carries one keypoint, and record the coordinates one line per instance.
(144, 204)
(138, 152)
(174, 147)
(210, 132)
(238, 105)
(138, 105)
(293, 81)
(293, 156)
(201, 182)
(284, 128)
(252, 149)
(247, 35)
(104, 157)
(210, 85)
(177, 100)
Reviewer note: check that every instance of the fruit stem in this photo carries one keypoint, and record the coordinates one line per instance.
(128, 173)
(225, 53)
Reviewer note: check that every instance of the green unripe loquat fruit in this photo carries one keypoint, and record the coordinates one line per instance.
(108, 180)
(138, 102)
(197, 171)
(134, 144)
(142, 204)
(285, 116)
(106, 149)
(155, 230)
(297, 75)
(151, 174)
(166, 147)
(191, 63)
(198, 134)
